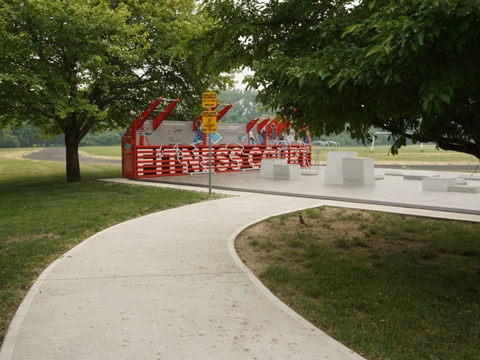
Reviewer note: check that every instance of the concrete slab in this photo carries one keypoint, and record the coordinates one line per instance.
(393, 191)
(394, 173)
(417, 176)
(474, 177)
(334, 167)
(286, 172)
(310, 172)
(266, 167)
(469, 189)
(358, 171)
(438, 183)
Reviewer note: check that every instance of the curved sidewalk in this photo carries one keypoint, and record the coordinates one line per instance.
(170, 286)
(165, 286)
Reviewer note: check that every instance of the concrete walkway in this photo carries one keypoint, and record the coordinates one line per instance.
(170, 286)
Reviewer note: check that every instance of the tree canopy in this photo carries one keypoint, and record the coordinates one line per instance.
(72, 66)
(409, 67)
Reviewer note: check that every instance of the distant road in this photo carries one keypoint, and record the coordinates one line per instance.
(58, 154)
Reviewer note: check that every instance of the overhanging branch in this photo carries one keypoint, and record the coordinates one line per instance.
(448, 144)
(453, 145)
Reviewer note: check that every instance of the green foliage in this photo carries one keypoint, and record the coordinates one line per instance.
(107, 138)
(7, 139)
(69, 67)
(407, 67)
(27, 136)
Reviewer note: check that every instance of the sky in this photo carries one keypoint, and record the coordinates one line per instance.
(239, 78)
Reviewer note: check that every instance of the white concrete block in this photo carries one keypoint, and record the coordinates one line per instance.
(471, 177)
(358, 171)
(465, 189)
(437, 183)
(286, 172)
(334, 167)
(310, 172)
(266, 167)
(417, 176)
(394, 173)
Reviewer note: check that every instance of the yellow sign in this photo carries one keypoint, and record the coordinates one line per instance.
(209, 122)
(209, 99)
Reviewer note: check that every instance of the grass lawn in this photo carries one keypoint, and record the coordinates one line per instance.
(411, 154)
(42, 216)
(388, 286)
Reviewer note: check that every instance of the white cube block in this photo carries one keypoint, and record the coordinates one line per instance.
(334, 168)
(310, 172)
(266, 167)
(438, 183)
(358, 172)
(287, 172)
(465, 189)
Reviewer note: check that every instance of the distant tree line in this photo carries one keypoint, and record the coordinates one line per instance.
(28, 136)
(245, 109)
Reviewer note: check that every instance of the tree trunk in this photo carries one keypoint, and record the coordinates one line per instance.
(72, 163)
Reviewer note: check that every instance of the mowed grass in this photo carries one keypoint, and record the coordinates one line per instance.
(42, 216)
(388, 286)
(410, 154)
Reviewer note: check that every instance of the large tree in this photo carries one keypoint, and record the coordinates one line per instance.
(409, 67)
(72, 66)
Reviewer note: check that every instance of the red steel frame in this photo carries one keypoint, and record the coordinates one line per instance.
(129, 139)
(145, 161)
